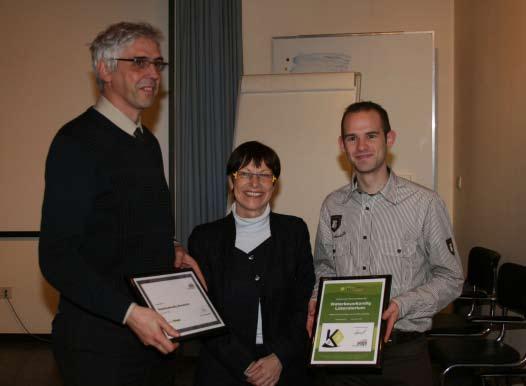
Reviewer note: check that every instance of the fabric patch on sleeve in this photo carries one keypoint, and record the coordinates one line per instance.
(336, 221)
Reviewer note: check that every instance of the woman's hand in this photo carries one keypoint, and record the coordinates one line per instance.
(184, 260)
(265, 371)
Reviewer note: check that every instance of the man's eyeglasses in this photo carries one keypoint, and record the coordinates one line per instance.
(142, 62)
(247, 176)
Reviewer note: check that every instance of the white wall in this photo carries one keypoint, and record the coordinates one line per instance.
(263, 20)
(47, 81)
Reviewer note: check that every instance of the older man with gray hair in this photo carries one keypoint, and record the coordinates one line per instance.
(106, 215)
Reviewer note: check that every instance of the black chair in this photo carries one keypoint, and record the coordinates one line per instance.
(491, 355)
(508, 376)
(479, 289)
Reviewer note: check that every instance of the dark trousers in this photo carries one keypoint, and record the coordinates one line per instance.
(405, 363)
(88, 368)
(210, 372)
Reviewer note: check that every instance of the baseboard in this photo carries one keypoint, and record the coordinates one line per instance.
(9, 337)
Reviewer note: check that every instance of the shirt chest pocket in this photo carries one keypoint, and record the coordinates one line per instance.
(342, 247)
(397, 258)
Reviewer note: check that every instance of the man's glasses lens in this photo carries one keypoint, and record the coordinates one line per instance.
(142, 62)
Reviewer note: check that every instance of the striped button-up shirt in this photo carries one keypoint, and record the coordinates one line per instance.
(404, 231)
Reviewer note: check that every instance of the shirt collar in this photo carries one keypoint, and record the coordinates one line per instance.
(117, 117)
(388, 191)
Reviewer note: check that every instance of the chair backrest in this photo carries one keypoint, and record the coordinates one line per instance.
(482, 269)
(511, 287)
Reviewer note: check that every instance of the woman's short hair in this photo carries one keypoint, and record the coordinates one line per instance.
(253, 151)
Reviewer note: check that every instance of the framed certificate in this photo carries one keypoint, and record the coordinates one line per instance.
(348, 328)
(181, 300)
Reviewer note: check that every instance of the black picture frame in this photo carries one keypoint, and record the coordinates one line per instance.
(147, 288)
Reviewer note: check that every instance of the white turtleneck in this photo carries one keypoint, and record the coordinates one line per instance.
(250, 233)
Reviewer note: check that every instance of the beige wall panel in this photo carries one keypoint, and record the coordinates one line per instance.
(489, 122)
(34, 299)
(490, 135)
(49, 81)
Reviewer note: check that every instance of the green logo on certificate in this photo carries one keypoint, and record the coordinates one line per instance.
(334, 338)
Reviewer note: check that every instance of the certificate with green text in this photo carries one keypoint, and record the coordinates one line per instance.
(348, 329)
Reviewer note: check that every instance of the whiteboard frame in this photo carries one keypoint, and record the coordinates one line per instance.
(433, 77)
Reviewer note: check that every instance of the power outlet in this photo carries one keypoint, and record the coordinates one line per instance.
(6, 292)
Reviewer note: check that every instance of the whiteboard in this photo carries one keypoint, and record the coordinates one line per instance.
(298, 115)
(398, 71)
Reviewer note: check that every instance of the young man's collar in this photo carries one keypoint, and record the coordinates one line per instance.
(388, 190)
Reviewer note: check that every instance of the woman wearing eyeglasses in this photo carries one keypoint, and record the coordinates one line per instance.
(259, 272)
